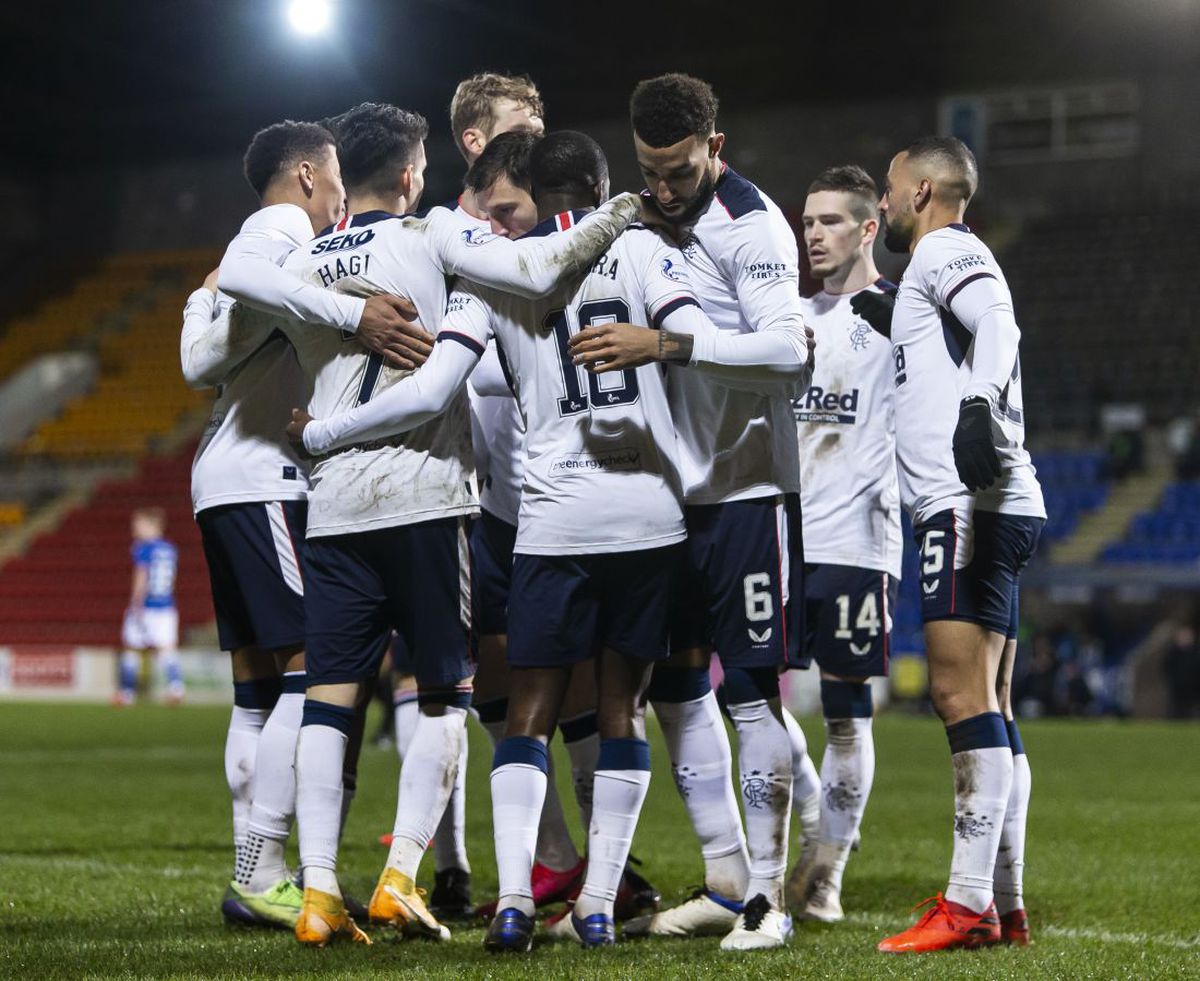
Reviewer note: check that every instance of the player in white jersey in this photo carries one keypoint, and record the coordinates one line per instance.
(249, 489)
(743, 591)
(977, 513)
(600, 481)
(374, 509)
(851, 505)
(483, 106)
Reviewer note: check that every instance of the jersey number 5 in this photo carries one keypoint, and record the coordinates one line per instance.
(591, 314)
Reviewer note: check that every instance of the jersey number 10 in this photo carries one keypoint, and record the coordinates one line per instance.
(591, 314)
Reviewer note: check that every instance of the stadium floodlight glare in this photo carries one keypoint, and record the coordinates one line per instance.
(309, 17)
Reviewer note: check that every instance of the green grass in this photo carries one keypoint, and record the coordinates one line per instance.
(114, 852)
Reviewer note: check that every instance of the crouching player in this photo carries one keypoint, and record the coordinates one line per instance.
(851, 509)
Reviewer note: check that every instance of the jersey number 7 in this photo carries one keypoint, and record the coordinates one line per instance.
(591, 313)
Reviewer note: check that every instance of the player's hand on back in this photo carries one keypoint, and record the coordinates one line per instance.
(654, 219)
(210, 281)
(614, 347)
(389, 327)
(295, 428)
(875, 308)
(975, 455)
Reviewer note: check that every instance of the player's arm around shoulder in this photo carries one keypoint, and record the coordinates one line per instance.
(214, 341)
(531, 267)
(414, 400)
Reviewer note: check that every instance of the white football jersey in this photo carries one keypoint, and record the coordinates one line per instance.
(932, 354)
(846, 422)
(497, 431)
(744, 267)
(244, 454)
(426, 473)
(601, 473)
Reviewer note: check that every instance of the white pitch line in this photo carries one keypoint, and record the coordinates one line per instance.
(1069, 933)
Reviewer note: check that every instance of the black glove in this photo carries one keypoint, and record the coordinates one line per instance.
(975, 455)
(875, 309)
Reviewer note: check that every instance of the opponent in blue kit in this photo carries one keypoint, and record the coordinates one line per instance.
(151, 620)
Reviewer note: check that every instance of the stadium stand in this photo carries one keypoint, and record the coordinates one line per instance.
(1170, 533)
(1109, 308)
(1074, 484)
(73, 584)
(96, 461)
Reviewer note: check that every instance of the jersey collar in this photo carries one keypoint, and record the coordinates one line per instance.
(555, 223)
(357, 221)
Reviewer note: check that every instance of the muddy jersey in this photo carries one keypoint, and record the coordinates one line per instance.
(743, 265)
(244, 454)
(497, 430)
(601, 473)
(932, 351)
(426, 473)
(846, 426)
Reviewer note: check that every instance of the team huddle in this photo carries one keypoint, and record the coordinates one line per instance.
(548, 453)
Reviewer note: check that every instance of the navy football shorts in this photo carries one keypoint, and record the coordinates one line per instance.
(742, 586)
(971, 563)
(492, 541)
(564, 609)
(257, 564)
(848, 616)
(414, 579)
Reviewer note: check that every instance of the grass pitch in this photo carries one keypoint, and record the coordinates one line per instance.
(114, 850)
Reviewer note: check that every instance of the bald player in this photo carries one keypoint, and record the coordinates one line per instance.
(977, 513)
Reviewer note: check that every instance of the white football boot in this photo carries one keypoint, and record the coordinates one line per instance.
(759, 927)
(704, 915)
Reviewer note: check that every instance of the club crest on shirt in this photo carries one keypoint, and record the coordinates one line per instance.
(476, 236)
(672, 272)
(860, 335)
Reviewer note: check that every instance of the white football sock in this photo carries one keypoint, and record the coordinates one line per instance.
(584, 751)
(405, 712)
(425, 781)
(450, 839)
(619, 795)
(701, 761)
(982, 782)
(274, 795)
(1010, 858)
(765, 764)
(171, 670)
(241, 749)
(555, 849)
(518, 791)
(806, 782)
(320, 754)
(847, 773)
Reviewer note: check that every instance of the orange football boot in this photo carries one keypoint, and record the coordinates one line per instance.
(399, 903)
(323, 919)
(945, 926)
(1014, 928)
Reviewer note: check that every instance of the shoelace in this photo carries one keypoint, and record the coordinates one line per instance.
(939, 906)
(755, 911)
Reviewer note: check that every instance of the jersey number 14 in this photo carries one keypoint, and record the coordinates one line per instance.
(591, 314)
